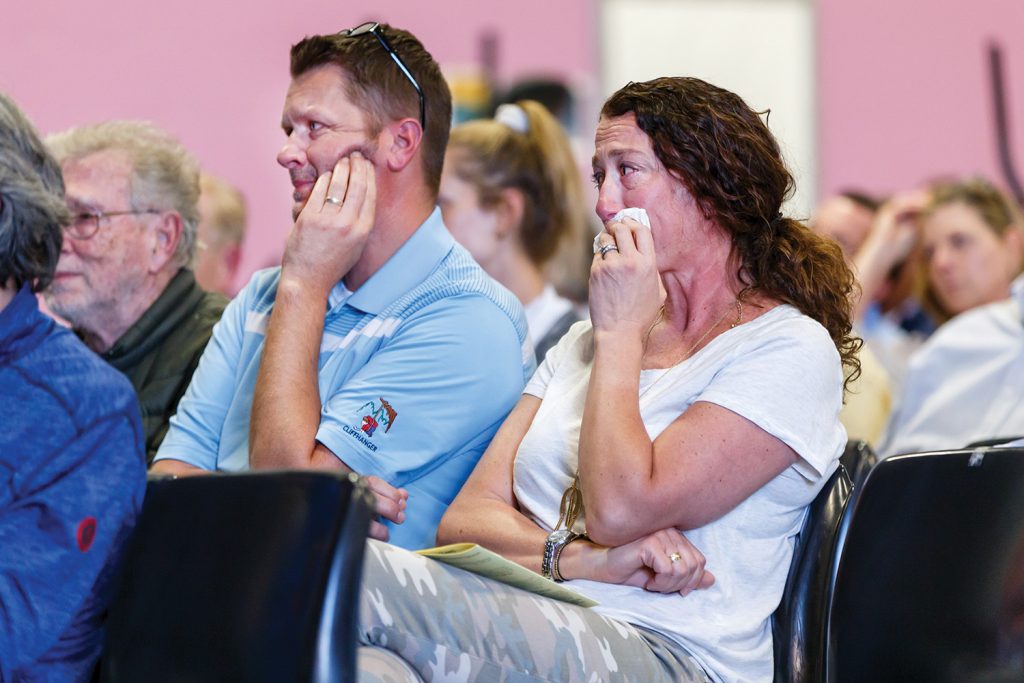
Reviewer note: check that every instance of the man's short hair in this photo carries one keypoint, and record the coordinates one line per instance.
(379, 87)
(863, 199)
(32, 208)
(164, 174)
(227, 209)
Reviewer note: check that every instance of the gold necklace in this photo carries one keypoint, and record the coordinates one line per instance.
(693, 347)
(571, 506)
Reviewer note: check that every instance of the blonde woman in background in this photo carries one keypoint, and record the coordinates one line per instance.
(511, 194)
(964, 384)
(971, 242)
(972, 239)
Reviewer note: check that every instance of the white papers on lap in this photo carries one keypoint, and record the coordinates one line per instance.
(473, 558)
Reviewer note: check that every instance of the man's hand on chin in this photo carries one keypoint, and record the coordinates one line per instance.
(332, 229)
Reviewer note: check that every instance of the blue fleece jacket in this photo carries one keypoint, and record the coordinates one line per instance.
(72, 479)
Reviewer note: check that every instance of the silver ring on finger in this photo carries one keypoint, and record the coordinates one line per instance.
(606, 248)
(334, 200)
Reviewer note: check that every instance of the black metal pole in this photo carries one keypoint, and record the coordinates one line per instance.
(995, 60)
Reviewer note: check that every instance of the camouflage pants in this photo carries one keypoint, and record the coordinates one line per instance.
(453, 626)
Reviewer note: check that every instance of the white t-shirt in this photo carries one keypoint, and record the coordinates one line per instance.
(780, 371)
(965, 383)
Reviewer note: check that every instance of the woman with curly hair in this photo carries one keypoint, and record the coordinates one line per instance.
(663, 456)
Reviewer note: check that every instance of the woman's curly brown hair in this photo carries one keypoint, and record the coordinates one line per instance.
(719, 148)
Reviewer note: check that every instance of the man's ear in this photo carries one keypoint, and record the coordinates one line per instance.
(405, 139)
(511, 204)
(167, 234)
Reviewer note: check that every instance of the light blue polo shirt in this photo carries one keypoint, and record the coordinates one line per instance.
(417, 370)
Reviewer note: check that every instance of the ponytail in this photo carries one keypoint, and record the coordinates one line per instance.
(524, 148)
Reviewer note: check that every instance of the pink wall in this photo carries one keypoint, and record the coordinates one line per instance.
(214, 72)
(903, 86)
(904, 90)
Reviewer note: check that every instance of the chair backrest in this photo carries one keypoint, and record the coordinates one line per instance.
(247, 577)
(858, 458)
(996, 441)
(799, 624)
(930, 583)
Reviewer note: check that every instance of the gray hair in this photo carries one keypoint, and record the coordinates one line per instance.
(165, 175)
(32, 208)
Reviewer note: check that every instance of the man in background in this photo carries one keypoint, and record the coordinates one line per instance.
(222, 218)
(846, 218)
(123, 280)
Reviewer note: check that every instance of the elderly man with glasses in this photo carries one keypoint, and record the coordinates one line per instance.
(123, 280)
(379, 346)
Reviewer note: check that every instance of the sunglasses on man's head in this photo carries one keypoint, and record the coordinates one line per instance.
(373, 28)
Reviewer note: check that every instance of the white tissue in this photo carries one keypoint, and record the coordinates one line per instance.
(636, 213)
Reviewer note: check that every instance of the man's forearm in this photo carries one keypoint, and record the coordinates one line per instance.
(177, 468)
(286, 403)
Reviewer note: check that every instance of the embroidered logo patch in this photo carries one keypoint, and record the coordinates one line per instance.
(86, 533)
(375, 416)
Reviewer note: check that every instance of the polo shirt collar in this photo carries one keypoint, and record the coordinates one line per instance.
(407, 267)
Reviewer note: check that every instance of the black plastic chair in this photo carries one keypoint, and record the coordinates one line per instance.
(930, 583)
(248, 577)
(985, 443)
(799, 625)
(858, 458)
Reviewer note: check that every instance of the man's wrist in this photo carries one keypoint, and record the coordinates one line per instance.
(302, 291)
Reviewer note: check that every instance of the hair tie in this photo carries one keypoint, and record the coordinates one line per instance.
(513, 116)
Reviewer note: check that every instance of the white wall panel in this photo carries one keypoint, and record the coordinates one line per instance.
(762, 50)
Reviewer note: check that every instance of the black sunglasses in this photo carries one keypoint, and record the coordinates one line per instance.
(373, 28)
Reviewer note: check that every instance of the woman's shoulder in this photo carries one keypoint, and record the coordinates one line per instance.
(782, 341)
(784, 321)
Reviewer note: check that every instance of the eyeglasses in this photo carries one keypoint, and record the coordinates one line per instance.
(85, 224)
(373, 28)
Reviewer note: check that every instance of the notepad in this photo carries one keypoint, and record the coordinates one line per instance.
(479, 560)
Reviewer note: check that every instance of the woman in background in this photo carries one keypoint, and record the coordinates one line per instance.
(972, 244)
(511, 194)
(957, 382)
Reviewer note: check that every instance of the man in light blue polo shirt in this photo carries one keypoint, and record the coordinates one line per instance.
(379, 346)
